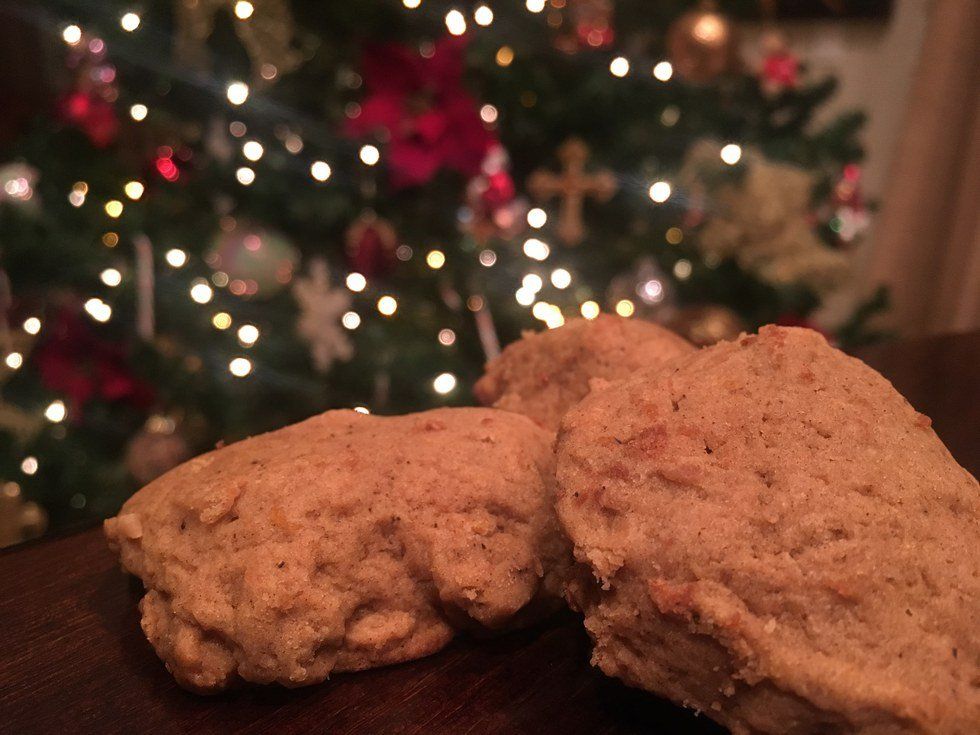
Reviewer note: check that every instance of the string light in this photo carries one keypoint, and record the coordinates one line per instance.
(524, 296)
(488, 113)
(537, 218)
(387, 305)
(351, 320)
(682, 269)
(532, 282)
(176, 258)
(660, 192)
(14, 360)
(201, 292)
(356, 282)
(663, 71)
(56, 412)
(505, 56)
(320, 170)
(369, 154)
(138, 112)
(134, 190)
(110, 239)
(483, 16)
(411, 5)
(447, 337)
(248, 335)
(71, 34)
(487, 258)
(651, 292)
(293, 143)
(245, 176)
(731, 154)
(535, 6)
(114, 208)
(237, 93)
(474, 302)
(221, 320)
(561, 278)
(589, 310)
(435, 259)
(244, 9)
(364, 409)
(130, 22)
(240, 367)
(625, 307)
(111, 277)
(674, 235)
(619, 67)
(455, 22)
(29, 465)
(32, 325)
(78, 192)
(535, 249)
(444, 383)
(252, 150)
(98, 309)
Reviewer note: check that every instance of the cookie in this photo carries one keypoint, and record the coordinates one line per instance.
(544, 374)
(769, 533)
(344, 542)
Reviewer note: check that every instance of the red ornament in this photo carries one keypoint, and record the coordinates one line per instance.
(494, 209)
(416, 99)
(92, 115)
(780, 68)
(370, 244)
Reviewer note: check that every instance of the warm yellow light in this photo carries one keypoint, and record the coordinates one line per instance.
(535, 6)
(524, 296)
(176, 258)
(244, 9)
(240, 367)
(237, 93)
(455, 22)
(444, 383)
(32, 325)
(351, 320)
(110, 239)
(362, 410)
(245, 176)
(130, 22)
(537, 217)
(731, 154)
(320, 170)
(252, 150)
(660, 192)
(590, 309)
(29, 465)
(111, 277)
(356, 282)
(625, 307)
(663, 71)
(98, 309)
(114, 208)
(674, 235)
(248, 335)
(221, 320)
(55, 412)
(201, 292)
(505, 56)
(532, 282)
(483, 16)
(535, 249)
(561, 278)
(435, 259)
(72, 34)
(619, 67)
(541, 310)
(14, 360)
(387, 305)
(134, 190)
(682, 269)
(370, 155)
(138, 112)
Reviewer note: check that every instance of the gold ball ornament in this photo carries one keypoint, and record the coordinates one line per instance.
(702, 45)
(707, 324)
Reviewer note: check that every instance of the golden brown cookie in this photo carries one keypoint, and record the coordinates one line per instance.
(544, 374)
(344, 542)
(769, 533)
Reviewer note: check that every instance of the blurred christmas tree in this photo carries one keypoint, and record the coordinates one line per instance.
(236, 214)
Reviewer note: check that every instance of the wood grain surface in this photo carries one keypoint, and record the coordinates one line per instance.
(73, 658)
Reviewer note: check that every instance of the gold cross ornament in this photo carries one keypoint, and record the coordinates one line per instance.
(572, 184)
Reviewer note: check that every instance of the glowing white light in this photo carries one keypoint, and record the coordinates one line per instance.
(483, 16)
(356, 282)
(32, 325)
(240, 367)
(252, 150)
(524, 296)
(55, 412)
(435, 259)
(447, 337)
(535, 249)
(590, 309)
(237, 93)
(351, 320)
(537, 217)
(176, 258)
(532, 283)
(114, 208)
(98, 309)
(731, 154)
(138, 112)
(29, 465)
(652, 291)
(370, 155)
(134, 190)
(362, 409)
(619, 67)
(14, 360)
(625, 307)
(72, 34)
(455, 22)
(660, 192)
(561, 278)
(248, 335)
(320, 170)
(444, 383)
(387, 305)
(535, 6)
(245, 176)
(487, 258)
(130, 22)
(682, 269)
(244, 9)
(111, 277)
(488, 113)
(201, 292)
(663, 71)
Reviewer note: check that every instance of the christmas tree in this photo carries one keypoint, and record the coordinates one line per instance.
(233, 215)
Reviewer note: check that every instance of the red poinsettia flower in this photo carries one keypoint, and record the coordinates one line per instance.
(92, 115)
(76, 363)
(419, 102)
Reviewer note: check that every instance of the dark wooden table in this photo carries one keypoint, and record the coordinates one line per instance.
(73, 658)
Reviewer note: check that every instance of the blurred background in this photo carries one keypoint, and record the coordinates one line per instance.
(221, 216)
